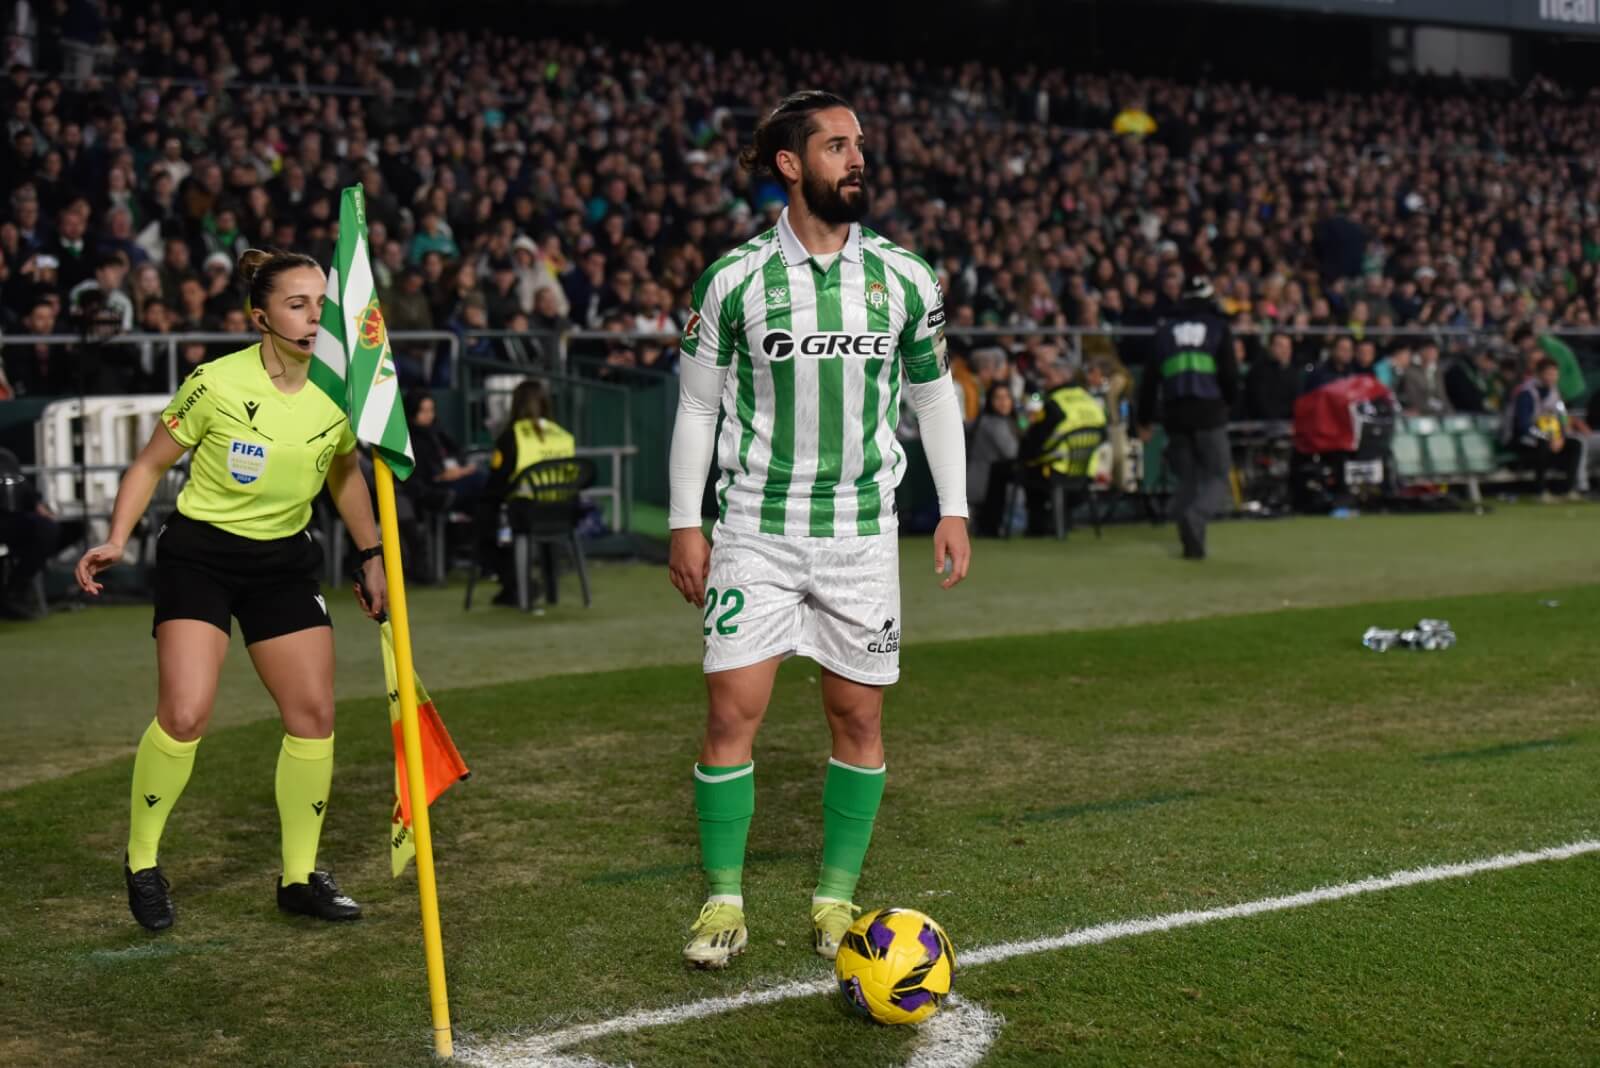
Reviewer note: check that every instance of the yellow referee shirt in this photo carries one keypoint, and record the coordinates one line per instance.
(260, 455)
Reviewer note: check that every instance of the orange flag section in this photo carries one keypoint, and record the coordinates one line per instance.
(442, 766)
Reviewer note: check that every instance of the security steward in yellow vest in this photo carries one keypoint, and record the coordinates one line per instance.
(531, 438)
(1046, 451)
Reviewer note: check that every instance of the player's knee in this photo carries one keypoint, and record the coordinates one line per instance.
(860, 723)
(732, 719)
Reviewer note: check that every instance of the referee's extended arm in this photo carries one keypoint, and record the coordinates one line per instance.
(350, 495)
(133, 497)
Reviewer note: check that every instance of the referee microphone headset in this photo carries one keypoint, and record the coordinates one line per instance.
(260, 319)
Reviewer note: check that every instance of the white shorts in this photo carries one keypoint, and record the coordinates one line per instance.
(835, 600)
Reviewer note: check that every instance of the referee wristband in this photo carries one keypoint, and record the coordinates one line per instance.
(363, 555)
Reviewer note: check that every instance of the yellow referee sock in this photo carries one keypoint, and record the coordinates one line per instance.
(160, 772)
(305, 775)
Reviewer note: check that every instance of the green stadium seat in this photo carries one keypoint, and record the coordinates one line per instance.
(1456, 424)
(1407, 450)
(1443, 460)
(1477, 453)
(1422, 425)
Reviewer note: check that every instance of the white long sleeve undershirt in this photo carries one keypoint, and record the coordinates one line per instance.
(700, 390)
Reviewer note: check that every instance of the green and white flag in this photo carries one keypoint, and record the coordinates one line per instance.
(351, 361)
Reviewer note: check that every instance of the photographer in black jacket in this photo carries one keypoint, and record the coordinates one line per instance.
(1189, 386)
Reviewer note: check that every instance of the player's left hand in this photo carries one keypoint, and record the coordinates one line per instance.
(372, 592)
(950, 546)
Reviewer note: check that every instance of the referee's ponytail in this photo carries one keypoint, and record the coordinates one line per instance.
(259, 270)
(785, 129)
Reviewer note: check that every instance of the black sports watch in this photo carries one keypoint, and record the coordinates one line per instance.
(362, 556)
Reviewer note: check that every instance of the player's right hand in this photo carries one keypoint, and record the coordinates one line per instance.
(689, 564)
(93, 562)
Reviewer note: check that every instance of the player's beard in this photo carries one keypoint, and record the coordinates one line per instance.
(832, 203)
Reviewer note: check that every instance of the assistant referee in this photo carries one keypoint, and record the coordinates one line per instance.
(264, 442)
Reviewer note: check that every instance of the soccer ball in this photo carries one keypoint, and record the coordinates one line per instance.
(894, 966)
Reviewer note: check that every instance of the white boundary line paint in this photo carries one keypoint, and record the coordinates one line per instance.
(958, 1036)
(543, 1049)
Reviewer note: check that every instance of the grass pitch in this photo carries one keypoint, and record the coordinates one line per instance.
(1080, 773)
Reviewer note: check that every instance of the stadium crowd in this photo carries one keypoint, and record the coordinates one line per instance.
(529, 184)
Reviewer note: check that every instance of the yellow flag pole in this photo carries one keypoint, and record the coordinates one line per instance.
(427, 889)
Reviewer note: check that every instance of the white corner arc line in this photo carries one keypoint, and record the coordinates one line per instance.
(958, 1036)
(542, 1049)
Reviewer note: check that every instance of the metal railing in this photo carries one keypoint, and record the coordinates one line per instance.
(150, 345)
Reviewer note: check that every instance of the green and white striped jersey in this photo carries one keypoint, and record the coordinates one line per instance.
(812, 397)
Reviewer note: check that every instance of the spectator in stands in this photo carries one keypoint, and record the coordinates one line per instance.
(1470, 383)
(534, 274)
(550, 322)
(1391, 370)
(990, 459)
(1273, 383)
(501, 299)
(176, 265)
(194, 308)
(969, 394)
(1422, 389)
(433, 235)
(1535, 342)
(1537, 426)
(217, 278)
(36, 369)
(1366, 357)
(1134, 120)
(405, 308)
(584, 284)
(1315, 230)
(29, 532)
(443, 474)
(110, 271)
(1339, 364)
(469, 321)
(70, 246)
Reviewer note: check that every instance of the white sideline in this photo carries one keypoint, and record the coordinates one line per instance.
(543, 1049)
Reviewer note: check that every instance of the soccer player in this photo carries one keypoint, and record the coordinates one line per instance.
(264, 441)
(800, 339)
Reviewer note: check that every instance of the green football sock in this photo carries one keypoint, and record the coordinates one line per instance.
(724, 801)
(850, 798)
(305, 775)
(160, 772)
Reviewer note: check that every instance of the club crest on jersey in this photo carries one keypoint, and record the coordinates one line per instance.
(877, 295)
(777, 296)
(247, 461)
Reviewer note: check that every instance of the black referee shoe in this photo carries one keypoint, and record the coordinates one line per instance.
(320, 897)
(148, 898)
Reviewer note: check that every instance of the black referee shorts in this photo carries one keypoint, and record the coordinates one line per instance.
(204, 572)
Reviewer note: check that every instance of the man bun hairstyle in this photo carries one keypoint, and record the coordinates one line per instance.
(259, 270)
(785, 129)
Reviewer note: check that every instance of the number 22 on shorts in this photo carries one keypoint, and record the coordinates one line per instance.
(732, 602)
